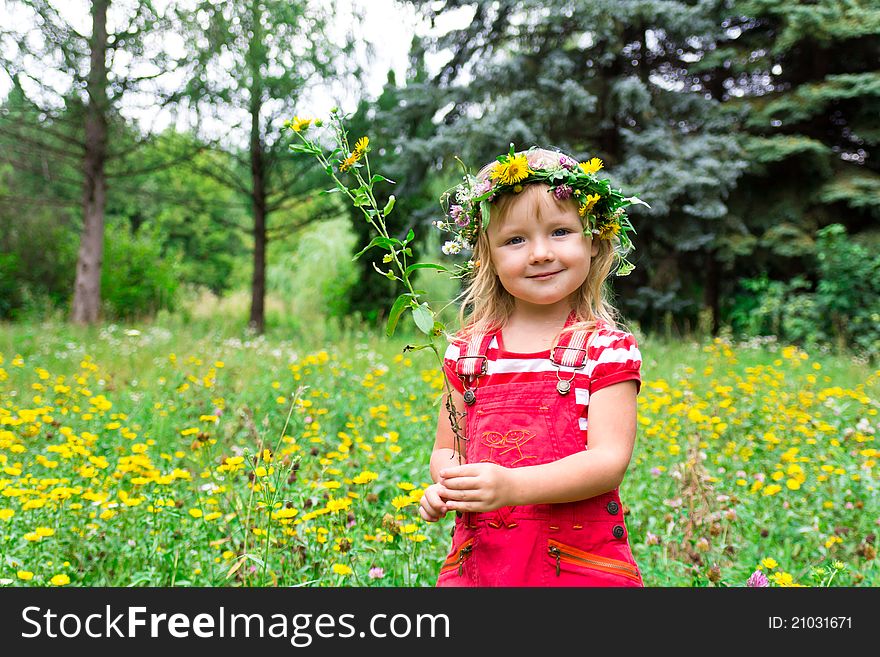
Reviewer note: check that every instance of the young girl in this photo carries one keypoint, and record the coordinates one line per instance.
(534, 492)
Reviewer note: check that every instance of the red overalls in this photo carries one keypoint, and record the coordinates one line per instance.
(580, 543)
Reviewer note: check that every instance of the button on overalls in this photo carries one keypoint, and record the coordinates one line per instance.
(581, 543)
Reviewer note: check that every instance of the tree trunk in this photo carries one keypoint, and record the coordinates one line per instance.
(258, 184)
(87, 289)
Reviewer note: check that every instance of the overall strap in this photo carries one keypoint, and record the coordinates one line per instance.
(571, 350)
(472, 359)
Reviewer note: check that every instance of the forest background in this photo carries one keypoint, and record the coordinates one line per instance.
(149, 201)
(749, 126)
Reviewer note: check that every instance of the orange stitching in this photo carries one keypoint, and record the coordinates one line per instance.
(513, 439)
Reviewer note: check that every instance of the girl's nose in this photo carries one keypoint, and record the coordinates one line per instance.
(541, 251)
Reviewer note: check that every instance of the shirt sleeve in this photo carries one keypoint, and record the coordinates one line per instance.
(449, 362)
(614, 357)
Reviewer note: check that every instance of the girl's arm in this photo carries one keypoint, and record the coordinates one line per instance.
(612, 430)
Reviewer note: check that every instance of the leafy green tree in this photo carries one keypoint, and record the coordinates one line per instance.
(65, 73)
(803, 81)
(254, 61)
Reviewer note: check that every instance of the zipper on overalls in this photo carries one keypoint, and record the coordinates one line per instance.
(587, 559)
(459, 558)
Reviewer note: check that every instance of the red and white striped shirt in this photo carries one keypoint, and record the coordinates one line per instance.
(612, 357)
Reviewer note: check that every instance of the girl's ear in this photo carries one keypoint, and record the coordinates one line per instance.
(594, 248)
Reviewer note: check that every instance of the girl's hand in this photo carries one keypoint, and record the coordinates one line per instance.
(478, 487)
(432, 506)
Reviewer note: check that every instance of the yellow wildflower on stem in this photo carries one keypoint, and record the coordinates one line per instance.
(298, 125)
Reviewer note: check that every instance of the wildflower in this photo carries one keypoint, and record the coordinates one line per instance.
(483, 187)
(588, 204)
(298, 124)
(365, 477)
(25, 575)
(361, 146)
(512, 170)
(376, 573)
(769, 563)
(563, 192)
(60, 580)
(401, 501)
(348, 163)
(341, 569)
(592, 166)
(757, 580)
(783, 579)
(608, 230)
(451, 247)
(566, 162)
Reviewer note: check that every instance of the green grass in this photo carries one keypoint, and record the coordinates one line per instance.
(141, 487)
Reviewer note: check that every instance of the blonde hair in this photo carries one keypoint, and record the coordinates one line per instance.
(484, 303)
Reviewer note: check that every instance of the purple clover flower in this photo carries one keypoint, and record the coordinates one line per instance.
(563, 192)
(567, 163)
(454, 212)
(376, 573)
(483, 187)
(463, 220)
(757, 580)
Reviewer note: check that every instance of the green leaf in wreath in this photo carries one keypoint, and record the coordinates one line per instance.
(484, 210)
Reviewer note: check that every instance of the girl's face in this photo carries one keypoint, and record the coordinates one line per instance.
(539, 250)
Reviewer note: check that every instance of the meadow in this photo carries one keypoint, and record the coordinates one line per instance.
(179, 454)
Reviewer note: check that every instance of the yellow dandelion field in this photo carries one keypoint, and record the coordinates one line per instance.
(124, 462)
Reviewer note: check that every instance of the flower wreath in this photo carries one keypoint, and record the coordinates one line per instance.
(467, 205)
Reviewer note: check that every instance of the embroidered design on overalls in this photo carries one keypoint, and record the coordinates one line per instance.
(513, 440)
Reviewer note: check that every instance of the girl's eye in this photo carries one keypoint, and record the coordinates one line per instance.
(514, 240)
(559, 232)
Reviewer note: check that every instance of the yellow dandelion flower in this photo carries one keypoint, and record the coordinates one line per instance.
(25, 575)
(298, 124)
(365, 477)
(361, 145)
(338, 504)
(783, 579)
(195, 513)
(60, 580)
(513, 170)
(401, 501)
(6, 514)
(341, 569)
(769, 562)
(588, 204)
(348, 163)
(591, 166)
(608, 230)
